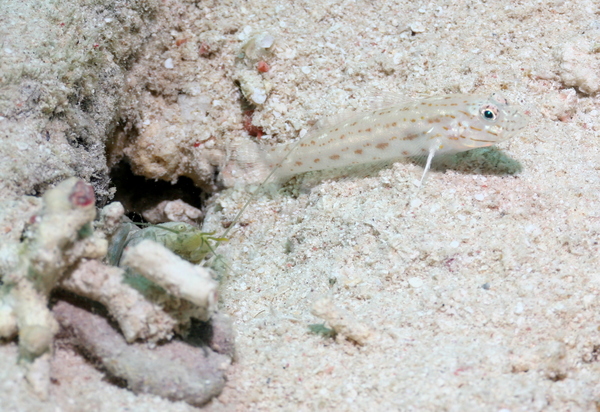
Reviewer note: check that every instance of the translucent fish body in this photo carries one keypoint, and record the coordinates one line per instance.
(428, 127)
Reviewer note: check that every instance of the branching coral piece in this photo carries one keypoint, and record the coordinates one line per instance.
(179, 277)
(175, 371)
(62, 249)
(137, 317)
(59, 240)
(60, 236)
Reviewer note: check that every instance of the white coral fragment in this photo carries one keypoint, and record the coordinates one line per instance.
(173, 211)
(578, 65)
(179, 277)
(253, 87)
(138, 317)
(258, 45)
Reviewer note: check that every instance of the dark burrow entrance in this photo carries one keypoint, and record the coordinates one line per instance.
(137, 194)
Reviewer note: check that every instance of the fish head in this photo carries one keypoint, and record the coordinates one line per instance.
(491, 120)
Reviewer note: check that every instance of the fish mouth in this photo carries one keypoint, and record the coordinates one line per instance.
(514, 118)
(518, 120)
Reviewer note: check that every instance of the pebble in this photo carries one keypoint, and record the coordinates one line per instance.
(415, 282)
(414, 203)
(417, 27)
(258, 96)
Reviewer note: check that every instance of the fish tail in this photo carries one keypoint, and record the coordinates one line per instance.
(248, 164)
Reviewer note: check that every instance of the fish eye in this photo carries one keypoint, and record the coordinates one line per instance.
(489, 112)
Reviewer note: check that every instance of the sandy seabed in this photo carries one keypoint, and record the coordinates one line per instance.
(480, 290)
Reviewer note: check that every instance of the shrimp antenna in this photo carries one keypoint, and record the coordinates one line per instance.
(258, 190)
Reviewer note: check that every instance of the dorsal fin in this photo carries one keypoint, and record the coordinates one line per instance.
(385, 98)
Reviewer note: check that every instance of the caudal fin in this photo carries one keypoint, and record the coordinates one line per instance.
(246, 165)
